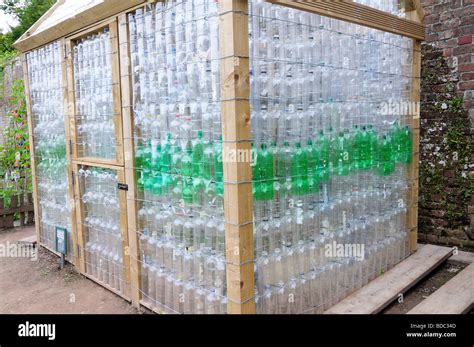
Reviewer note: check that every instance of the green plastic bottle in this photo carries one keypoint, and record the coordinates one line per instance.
(396, 136)
(341, 155)
(283, 172)
(166, 162)
(266, 173)
(156, 158)
(187, 190)
(372, 150)
(147, 167)
(357, 148)
(218, 167)
(139, 165)
(198, 150)
(257, 190)
(363, 144)
(385, 158)
(324, 155)
(187, 167)
(176, 157)
(299, 171)
(157, 188)
(313, 168)
(407, 148)
(207, 162)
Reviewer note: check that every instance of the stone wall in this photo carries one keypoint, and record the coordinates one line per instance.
(446, 204)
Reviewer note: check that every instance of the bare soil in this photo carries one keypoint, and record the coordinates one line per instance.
(40, 286)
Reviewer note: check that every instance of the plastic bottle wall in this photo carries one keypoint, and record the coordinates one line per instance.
(95, 118)
(331, 157)
(178, 162)
(47, 106)
(101, 226)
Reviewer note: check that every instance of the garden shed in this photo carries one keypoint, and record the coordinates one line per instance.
(211, 156)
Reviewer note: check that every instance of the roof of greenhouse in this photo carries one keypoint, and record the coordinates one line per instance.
(68, 16)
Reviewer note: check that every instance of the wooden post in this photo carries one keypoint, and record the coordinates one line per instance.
(124, 233)
(80, 215)
(117, 97)
(70, 178)
(413, 170)
(128, 132)
(236, 135)
(32, 148)
(415, 14)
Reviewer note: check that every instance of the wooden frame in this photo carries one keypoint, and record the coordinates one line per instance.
(106, 9)
(71, 182)
(235, 116)
(81, 237)
(360, 14)
(117, 107)
(33, 154)
(129, 155)
(32, 146)
(236, 134)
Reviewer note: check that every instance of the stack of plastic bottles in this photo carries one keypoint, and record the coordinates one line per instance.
(47, 104)
(331, 162)
(95, 116)
(101, 225)
(178, 161)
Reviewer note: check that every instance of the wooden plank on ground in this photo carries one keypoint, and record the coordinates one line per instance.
(379, 293)
(30, 240)
(455, 297)
(463, 257)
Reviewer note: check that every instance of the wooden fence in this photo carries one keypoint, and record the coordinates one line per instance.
(18, 206)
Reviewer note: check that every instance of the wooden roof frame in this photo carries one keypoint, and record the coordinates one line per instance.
(345, 10)
(349, 11)
(79, 21)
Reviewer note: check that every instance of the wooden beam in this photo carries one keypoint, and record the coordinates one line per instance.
(29, 117)
(382, 291)
(359, 14)
(463, 257)
(236, 133)
(40, 21)
(129, 156)
(454, 297)
(103, 163)
(71, 97)
(105, 9)
(122, 195)
(413, 170)
(80, 216)
(116, 93)
(70, 174)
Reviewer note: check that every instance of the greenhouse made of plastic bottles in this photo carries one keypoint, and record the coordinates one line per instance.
(240, 156)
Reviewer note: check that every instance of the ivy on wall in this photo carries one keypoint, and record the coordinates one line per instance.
(446, 153)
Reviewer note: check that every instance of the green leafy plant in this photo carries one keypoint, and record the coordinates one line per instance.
(15, 160)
